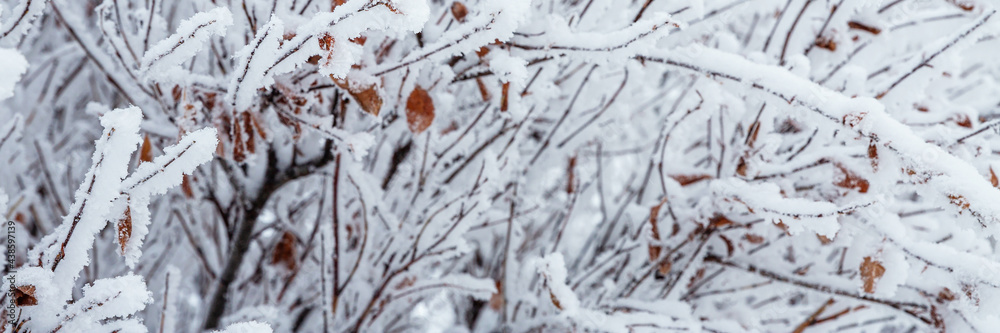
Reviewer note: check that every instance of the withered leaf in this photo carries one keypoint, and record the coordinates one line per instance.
(366, 95)
(419, 110)
(654, 212)
(146, 153)
(959, 201)
(186, 187)
(124, 227)
(284, 251)
(741, 167)
(686, 180)
(861, 26)
(826, 43)
(993, 178)
(824, 240)
(504, 96)
(459, 11)
(963, 120)
(945, 295)
(729, 245)
(871, 272)
(496, 300)
(485, 93)
(873, 155)
(718, 221)
(754, 239)
(848, 179)
(25, 295)
(555, 301)
(965, 5)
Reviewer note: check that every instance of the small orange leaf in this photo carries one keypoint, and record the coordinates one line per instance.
(963, 120)
(873, 155)
(871, 271)
(555, 301)
(366, 95)
(719, 221)
(963, 4)
(849, 179)
(823, 239)
(504, 96)
(496, 300)
(729, 245)
(993, 178)
(482, 52)
(124, 227)
(485, 93)
(459, 11)
(946, 295)
(741, 167)
(284, 252)
(959, 201)
(861, 26)
(146, 153)
(419, 110)
(25, 296)
(686, 180)
(754, 239)
(654, 250)
(826, 43)
(186, 187)
(176, 93)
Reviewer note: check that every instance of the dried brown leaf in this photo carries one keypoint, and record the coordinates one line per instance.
(419, 110)
(186, 187)
(864, 27)
(555, 301)
(496, 300)
(754, 239)
(459, 11)
(124, 228)
(993, 178)
(850, 180)
(504, 96)
(719, 221)
(873, 155)
(871, 271)
(729, 245)
(284, 251)
(686, 180)
(366, 95)
(485, 93)
(25, 295)
(146, 152)
(826, 43)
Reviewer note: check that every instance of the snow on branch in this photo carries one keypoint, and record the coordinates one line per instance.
(497, 22)
(326, 35)
(765, 200)
(162, 61)
(46, 288)
(20, 19)
(65, 251)
(636, 38)
(955, 178)
(153, 178)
